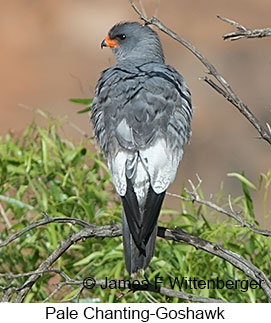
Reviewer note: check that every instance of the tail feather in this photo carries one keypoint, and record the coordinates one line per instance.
(152, 209)
(135, 259)
(131, 208)
(140, 227)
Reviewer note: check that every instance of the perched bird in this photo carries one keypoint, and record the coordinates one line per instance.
(141, 115)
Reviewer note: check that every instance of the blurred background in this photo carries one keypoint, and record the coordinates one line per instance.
(50, 52)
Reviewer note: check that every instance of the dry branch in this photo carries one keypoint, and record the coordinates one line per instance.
(44, 222)
(224, 87)
(236, 260)
(67, 281)
(91, 231)
(243, 32)
(178, 235)
(194, 197)
(88, 232)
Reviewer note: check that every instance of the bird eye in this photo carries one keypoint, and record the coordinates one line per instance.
(121, 36)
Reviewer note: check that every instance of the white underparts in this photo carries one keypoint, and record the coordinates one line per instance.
(156, 164)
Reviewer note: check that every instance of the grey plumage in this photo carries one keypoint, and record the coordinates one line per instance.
(141, 115)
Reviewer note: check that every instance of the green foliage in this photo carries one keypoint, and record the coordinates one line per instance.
(246, 185)
(44, 172)
(86, 102)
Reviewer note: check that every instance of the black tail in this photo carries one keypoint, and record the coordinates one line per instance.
(140, 227)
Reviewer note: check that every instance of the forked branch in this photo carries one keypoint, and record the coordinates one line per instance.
(222, 87)
(91, 231)
(243, 32)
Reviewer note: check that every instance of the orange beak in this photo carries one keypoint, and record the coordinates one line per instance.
(108, 42)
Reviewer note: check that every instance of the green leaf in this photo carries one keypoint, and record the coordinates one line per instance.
(82, 101)
(243, 179)
(12, 201)
(76, 184)
(245, 185)
(44, 155)
(249, 201)
(87, 259)
(84, 110)
(86, 102)
(190, 217)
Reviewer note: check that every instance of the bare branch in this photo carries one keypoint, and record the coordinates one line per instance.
(146, 287)
(236, 260)
(43, 222)
(67, 282)
(168, 292)
(194, 197)
(142, 7)
(7, 294)
(233, 23)
(54, 292)
(88, 232)
(243, 32)
(178, 235)
(229, 93)
(115, 230)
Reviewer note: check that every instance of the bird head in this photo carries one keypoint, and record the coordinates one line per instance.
(132, 40)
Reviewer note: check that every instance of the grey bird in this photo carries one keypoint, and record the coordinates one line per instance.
(141, 114)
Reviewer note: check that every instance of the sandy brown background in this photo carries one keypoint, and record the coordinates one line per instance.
(50, 52)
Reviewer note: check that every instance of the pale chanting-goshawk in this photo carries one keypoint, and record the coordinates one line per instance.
(141, 114)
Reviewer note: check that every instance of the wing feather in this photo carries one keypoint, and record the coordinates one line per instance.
(141, 117)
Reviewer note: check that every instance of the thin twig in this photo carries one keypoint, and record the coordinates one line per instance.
(177, 234)
(122, 285)
(79, 81)
(155, 14)
(196, 198)
(3, 213)
(233, 23)
(50, 270)
(236, 260)
(53, 293)
(232, 96)
(87, 232)
(43, 222)
(7, 295)
(142, 7)
(243, 32)
(169, 293)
